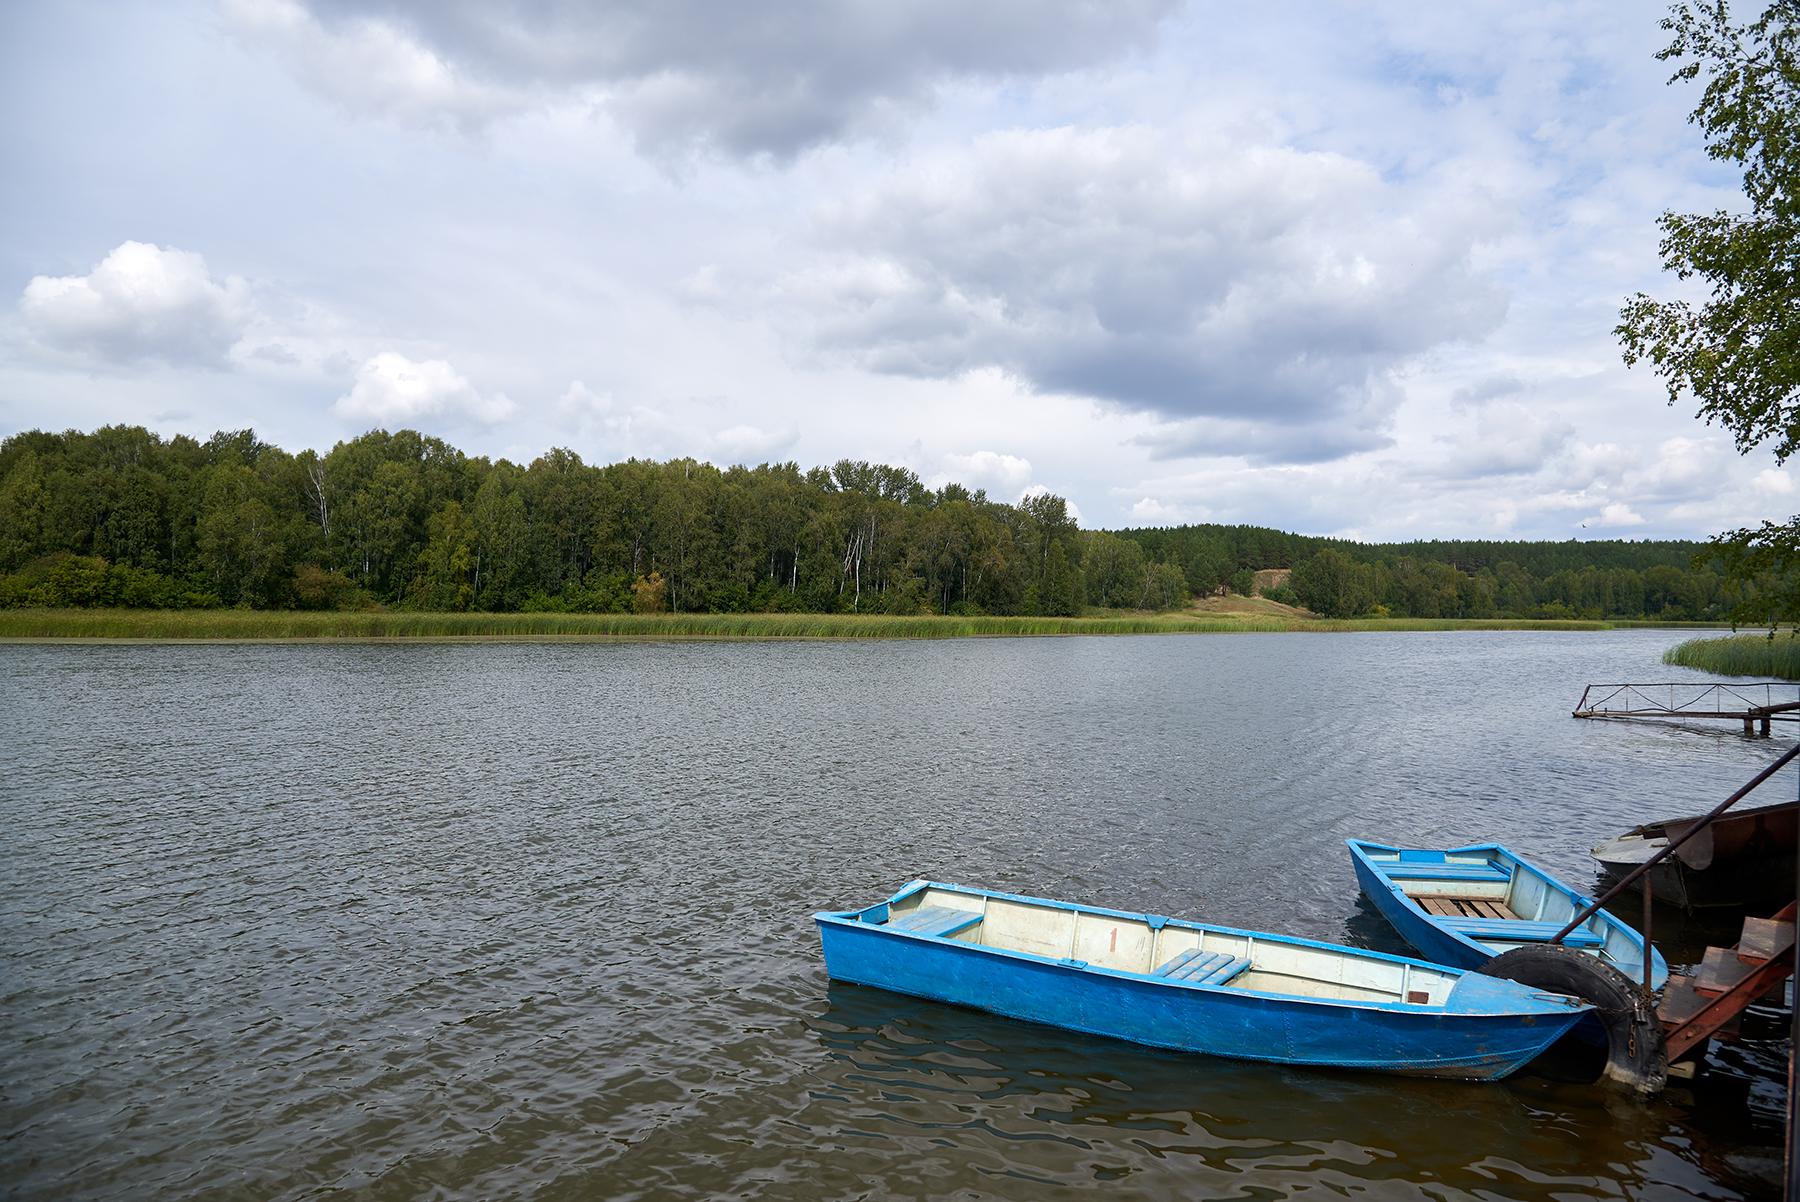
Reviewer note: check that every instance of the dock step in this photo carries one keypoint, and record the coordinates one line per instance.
(1710, 1003)
(1765, 938)
(1680, 1002)
(1722, 969)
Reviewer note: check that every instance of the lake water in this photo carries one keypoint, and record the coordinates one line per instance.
(514, 920)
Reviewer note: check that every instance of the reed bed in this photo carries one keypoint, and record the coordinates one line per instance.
(1741, 655)
(281, 625)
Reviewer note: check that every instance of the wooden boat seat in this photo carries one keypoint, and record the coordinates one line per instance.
(942, 921)
(1204, 968)
(1405, 871)
(1519, 931)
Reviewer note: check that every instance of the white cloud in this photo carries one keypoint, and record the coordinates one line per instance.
(1774, 482)
(1148, 511)
(393, 390)
(1615, 516)
(141, 302)
(1004, 476)
(579, 402)
(751, 445)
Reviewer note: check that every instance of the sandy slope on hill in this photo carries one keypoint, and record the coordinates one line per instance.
(1257, 606)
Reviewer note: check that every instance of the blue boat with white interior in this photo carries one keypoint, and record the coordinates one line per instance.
(1191, 986)
(1466, 905)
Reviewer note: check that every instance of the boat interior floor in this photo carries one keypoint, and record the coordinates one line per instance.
(1490, 920)
(1466, 907)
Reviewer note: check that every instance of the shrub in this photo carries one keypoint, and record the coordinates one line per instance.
(321, 588)
(648, 596)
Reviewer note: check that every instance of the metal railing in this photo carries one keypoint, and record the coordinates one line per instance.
(1689, 700)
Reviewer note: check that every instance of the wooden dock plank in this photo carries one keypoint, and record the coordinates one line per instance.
(1721, 969)
(1679, 1002)
(1765, 938)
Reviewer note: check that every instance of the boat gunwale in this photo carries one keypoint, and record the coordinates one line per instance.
(1549, 1003)
(1657, 828)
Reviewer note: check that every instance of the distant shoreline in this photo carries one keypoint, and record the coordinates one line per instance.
(388, 626)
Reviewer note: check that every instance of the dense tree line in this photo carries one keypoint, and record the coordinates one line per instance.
(1338, 585)
(122, 516)
(1655, 579)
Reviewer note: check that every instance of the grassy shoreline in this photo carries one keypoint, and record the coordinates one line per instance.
(235, 625)
(1740, 655)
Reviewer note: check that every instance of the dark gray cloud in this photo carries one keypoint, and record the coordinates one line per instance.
(742, 78)
(1240, 284)
(1264, 443)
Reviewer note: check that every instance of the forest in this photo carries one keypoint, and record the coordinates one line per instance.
(124, 517)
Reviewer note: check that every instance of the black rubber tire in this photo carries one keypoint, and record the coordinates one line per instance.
(1635, 1055)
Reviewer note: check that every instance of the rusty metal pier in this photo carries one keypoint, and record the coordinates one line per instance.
(1756, 704)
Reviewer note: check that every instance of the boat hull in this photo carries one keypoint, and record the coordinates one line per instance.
(1220, 1022)
(1745, 860)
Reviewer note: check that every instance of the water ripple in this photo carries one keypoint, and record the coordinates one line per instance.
(532, 921)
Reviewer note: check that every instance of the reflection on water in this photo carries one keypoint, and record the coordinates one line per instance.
(513, 920)
(1219, 1128)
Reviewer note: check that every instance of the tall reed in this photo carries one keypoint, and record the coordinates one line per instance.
(1741, 655)
(245, 624)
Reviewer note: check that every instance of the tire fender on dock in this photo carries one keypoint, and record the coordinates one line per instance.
(1635, 1055)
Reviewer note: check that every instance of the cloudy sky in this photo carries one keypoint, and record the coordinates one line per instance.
(1343, 269)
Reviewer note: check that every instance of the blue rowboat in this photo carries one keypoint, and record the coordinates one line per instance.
(1465, 906)
(1189, 986)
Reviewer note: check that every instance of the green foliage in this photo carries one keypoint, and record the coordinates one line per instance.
(1772, 654)
(63, 580)
(404, 521)
(1333, 584)
(1738, 353)
(317, 588)
(1471, 579)
(1165, 587)
(1766, 561)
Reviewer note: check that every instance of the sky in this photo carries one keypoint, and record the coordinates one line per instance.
(1344, 269)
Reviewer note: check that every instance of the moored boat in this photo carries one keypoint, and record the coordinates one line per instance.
(1464, 906)
(1190, 986)
(1743, 859)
